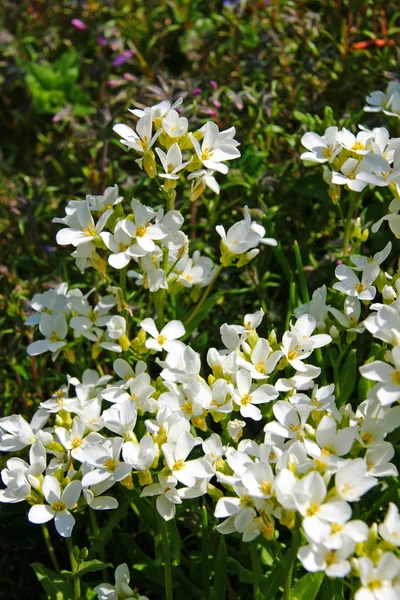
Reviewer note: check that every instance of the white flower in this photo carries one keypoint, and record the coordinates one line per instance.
(141, 140)
(158, 111)
(88, 317)
(59, 504)
(389, 102)
(16, 433)
(348, 176)
(350, 285)
(309, 495)
(246, 399)
(389, 530)
(144, 232)
(388, 390)
(291, 420)
(378, 581)
(216, 147)
(55, 330)
(321, 149)
(244, 235)
(174, 125)
(186, 472)
(109, 199)
(376, 170)
(385, 324)
(86, 230)
(235, 429)
(121, 245)
(372, 263)
(103, 459)
(352, 480)
(167, 496)
(120, 590)
(140, 456)
(19, 476)
(317, 557)
(204, 178)
(166, 339)
(171, 162)
(360, 144)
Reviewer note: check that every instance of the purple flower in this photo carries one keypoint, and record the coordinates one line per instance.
(78, 24)
(217, 103)
(196, 92)
(114, 82)
(102, 41)
(213, 84)
(122, 58)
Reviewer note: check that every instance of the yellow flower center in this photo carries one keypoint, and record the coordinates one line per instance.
(161, 339)
(260, 367)
(375, 584)
(266, 487)
(367, 438)
(245, 400)
(327, 152)
(110, 464)
(359, 287)
(358, 146)
(206, 154)
(246, 501)
(90, 231)
(187, 407)
(330, 558)
(75, 442)
(58, 506)
(141, 231)
(396, 377)
(313, 509)
(336, 527)
(178, 466)
(292, 354)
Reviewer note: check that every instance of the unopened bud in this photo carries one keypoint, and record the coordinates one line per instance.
(388, 293)
(149, 164)
(235, 429)
(334, 332)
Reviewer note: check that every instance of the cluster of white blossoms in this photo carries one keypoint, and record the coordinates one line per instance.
(369, 158)
(173, 427)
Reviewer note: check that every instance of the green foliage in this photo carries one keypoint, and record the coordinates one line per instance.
(55, 86)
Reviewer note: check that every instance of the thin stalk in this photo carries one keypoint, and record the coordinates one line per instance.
(205, 542)
(256, 570)
(291, 561)
(76, 582)
(204, 296)
(122, 282)
(97, 536)
(300, 268)
(167, 560)
(349, 219)
(50, 548)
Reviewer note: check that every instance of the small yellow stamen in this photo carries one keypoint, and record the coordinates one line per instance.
(110, 464)
(313, 509)
(58, 506)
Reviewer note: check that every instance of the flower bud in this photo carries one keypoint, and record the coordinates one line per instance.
(334, 332)
(388, 293)
(235, 429)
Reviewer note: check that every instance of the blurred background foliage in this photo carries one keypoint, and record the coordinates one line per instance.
(70, 69)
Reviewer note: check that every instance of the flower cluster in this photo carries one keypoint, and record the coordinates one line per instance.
(249, 426)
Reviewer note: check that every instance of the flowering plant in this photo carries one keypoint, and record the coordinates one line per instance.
(267, 430)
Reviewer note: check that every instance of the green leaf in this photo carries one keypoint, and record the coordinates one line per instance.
(203, 312)
(221, 572)
(235, 568)
(348, 378)
(54, 584)
(271, 584)
(308, 586)
(87, 567)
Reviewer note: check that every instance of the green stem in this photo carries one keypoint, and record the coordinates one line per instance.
(349, 219)
(122, 282)
(167, 560)
(76, 582)
(50, 548)
(204, 296)
(256, 570)
(291, 560)
(205, 542)
(98, 537)
(302, 277)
